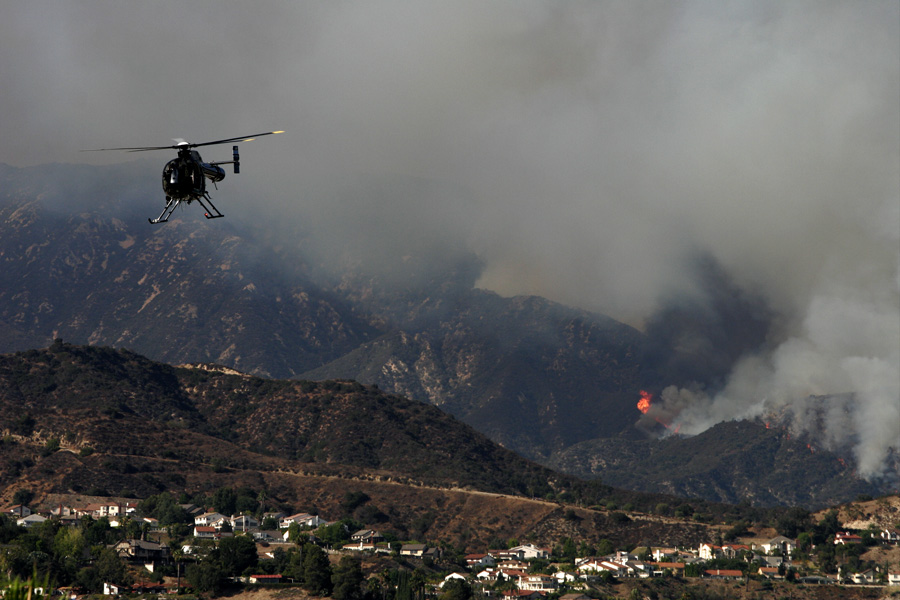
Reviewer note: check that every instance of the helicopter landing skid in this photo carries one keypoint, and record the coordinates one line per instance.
(211, 211)
(171, 203)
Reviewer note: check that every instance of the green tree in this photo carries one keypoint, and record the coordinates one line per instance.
(316, 570)
(793, 521)
(108, 567)
(347, 580)
(205, 576)
(456, 589)
(235, 554)
(224, 500)
(23, 497)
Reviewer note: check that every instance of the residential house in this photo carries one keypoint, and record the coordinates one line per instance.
(30, 521)
(893, 578)
(770, 573)
(537, 582)
(112, 589)
(141, 550)
(302, 519)
(266, 536)
(276, 515)
(367, 536)
(596, 565)
(508, 554)
(513, 564)
(709, 551)
(530, 551)
(734, 550)
(564, 577)
(663, 554)
(378, 548)
(147, 588)
(723, 574)
(192, 509)
(475, 561)
(780, 543)
(265, 579)
(845, 537)
(574, 596)
(890, 535)
(675, 568)
(243, 523)
(451, 577)
(867, 576)
(63, 511)
(19, 511)
(152, 523)
(416, 550)
(514, 575)
(99, 510)
(205, 532)
(488, 575)
(208, 519)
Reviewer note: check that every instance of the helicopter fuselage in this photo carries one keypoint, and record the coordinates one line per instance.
(184, 178)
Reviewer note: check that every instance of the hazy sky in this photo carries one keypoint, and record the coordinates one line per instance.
(586, 150)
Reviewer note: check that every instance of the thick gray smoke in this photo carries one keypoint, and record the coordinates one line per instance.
(586, 151)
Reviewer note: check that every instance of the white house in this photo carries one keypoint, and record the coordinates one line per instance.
(845, 537)
(208, 518)
(537, 582)
(417, 550)
(530, 551)
(204, 532)
(709, 551)
(452, 576)
(867, 576)
(30, 521)
(894, 578)
(475, 561)
(781, 543)
(243, 523)
(19, 510)
(302, 519)
(111, 589)
(564, 577)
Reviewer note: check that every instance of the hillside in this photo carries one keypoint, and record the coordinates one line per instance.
(554, 384)
(733, 461)
(99, 421)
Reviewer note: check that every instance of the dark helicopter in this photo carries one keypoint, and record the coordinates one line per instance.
(184, 178)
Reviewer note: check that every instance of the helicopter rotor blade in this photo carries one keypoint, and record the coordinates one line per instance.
(183, 144)
(246, 138)
(139, 149)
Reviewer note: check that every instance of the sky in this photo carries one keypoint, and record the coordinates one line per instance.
(586, 151)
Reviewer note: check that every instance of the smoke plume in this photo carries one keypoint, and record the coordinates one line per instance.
(584, 151)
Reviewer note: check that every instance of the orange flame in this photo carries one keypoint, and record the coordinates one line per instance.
(643, 404)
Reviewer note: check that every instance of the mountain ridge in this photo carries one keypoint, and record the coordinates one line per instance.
(79, 262)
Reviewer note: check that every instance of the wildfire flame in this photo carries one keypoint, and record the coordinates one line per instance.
(643, 404)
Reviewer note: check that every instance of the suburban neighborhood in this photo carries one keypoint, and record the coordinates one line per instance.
(151, 554)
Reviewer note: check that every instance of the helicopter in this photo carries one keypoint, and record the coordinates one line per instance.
(184, 177)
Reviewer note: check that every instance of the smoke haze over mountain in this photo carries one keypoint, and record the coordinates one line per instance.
(587, 152)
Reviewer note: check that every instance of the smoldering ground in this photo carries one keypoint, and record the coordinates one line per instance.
(585, 151)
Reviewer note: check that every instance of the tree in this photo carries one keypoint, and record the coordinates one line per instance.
(224, 500)
(793, 521)
(23, 497)
(235, 554)
(316, 570)
(456, 589)
(205, 576)
(347, 580)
